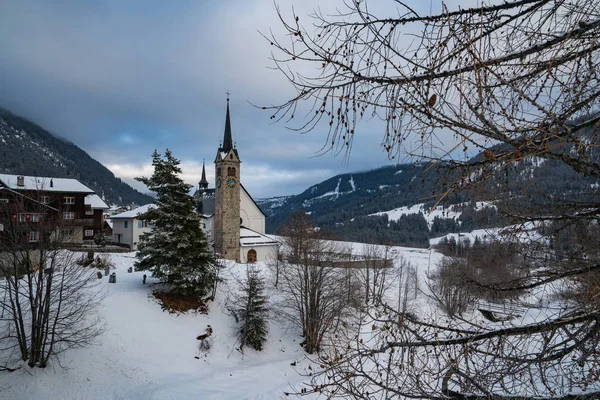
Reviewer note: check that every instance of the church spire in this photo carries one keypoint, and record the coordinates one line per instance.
(227, 140)
(203, 182)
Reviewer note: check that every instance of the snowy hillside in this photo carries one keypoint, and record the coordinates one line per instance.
(452, 212)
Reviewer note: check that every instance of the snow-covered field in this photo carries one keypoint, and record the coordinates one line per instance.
(150, 354)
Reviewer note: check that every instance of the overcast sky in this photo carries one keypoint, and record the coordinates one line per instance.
(122, 78)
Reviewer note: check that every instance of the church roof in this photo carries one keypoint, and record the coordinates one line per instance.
(251, 238)
(206, 203)
(227, 139)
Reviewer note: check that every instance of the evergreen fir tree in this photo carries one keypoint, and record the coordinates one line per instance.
(176, 249)
(251, 309)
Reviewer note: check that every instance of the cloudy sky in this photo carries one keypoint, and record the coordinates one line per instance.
(122, 78)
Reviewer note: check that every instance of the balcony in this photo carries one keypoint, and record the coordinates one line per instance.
(77, 222)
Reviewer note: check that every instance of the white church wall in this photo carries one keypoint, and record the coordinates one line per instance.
(251, 215)
(263, 253)
(208, 226)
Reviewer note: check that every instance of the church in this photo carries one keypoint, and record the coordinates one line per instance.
(231, 219)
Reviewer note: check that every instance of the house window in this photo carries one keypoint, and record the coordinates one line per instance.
(69, 200)
(35, 217)
(34, 236)
(68, 232)
(44, 199)
(251, 256)
(125, 224)
(69, 215)
(3, 200)
(89, 232)
(1, 227)
(22, 218)
(89, 212)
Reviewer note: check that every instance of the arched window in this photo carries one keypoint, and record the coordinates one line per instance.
(219, 171)
(251, 256)
(231, 171)
(231, 156)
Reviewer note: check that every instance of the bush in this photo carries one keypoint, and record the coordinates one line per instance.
(177, 303)
(102, 262)
(100, 239)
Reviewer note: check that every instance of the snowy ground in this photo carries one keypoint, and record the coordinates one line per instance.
(149, 354)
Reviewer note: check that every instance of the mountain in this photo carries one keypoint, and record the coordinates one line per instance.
(393, 204)
(345, 203)
(28, 149)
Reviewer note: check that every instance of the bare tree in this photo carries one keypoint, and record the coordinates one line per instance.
(314, 296)
(274, 263)
(517, 80)
(374, 275)
(408, 285)
(48, 302)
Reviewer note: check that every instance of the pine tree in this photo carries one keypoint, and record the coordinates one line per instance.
(252, 310)
(176, 248)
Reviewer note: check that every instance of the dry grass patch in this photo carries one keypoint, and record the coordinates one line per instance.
(176, 303)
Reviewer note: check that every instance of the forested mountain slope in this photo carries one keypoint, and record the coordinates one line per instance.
(28, 149)
(368, 206)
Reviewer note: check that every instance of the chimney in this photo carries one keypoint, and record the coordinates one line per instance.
(20, 181)
(51, 182)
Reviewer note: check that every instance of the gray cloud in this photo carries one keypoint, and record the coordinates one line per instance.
(120, 79)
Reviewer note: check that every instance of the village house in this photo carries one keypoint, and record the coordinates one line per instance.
(33, 207)
(129, 226)
(94, 210)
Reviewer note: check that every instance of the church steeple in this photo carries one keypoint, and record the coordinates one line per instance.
(227, 140)
(203, 182)
(227, 196)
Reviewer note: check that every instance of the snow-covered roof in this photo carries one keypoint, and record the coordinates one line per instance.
(134, 213)
(248, 237)
(96, 202)
(45, 184)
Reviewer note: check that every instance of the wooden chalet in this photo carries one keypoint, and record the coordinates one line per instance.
(35, 208)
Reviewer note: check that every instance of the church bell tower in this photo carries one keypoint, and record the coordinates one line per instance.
(227, 197)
